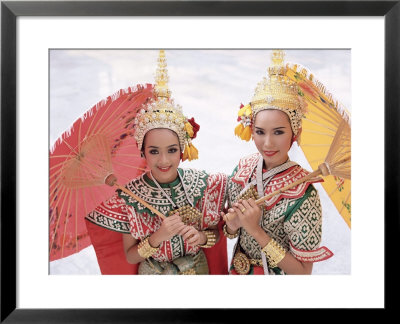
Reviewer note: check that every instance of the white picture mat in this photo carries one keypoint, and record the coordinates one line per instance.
(37, 35)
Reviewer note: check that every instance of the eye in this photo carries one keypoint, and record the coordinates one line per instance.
(259, 132)
(279, 132)
(172, 150)
(153, 151)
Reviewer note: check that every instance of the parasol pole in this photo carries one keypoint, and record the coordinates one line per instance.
(111, 180)
(313, 174)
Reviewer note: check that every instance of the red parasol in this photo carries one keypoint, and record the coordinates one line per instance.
(83, 157)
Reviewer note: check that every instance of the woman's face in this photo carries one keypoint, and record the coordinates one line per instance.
(272, 135)
(162, 153)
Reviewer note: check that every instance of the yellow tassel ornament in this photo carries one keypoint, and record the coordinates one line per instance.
(186, 153)
(246, 134)
(190, 153)
(194, 153)
(239, 130)
(243, 130)
(189, 129)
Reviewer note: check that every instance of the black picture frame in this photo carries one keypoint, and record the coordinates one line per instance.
(11, 10)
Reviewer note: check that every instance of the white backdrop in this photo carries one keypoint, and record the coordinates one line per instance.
(209, 85)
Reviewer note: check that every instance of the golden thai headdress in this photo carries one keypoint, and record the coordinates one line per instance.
(161, 112)
(275, 92)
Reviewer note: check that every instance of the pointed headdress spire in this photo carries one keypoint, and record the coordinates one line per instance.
(162, 112)
(161, 86)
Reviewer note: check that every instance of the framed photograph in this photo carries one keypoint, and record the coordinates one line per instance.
(41, 41)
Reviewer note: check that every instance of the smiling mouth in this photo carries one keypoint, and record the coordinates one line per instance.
(270, 153)
(164, 169)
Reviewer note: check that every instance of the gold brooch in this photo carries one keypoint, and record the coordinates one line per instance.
(241, 263)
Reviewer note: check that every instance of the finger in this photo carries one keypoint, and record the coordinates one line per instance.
(177, 228)
(253, 204)
(175, 217)
(239, 211)
(174, 226)
(187, 232)
(184, 230)
(192, 239)
(246, 206)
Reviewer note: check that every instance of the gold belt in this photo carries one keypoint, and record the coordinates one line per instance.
(241, 263)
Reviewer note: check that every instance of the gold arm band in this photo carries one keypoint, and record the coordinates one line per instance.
(145, 250)
(229, 236)
(274, 253)
(211, 239)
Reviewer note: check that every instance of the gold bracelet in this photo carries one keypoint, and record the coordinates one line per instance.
(274, 253)
(211, 239)
(229, 236)
(145, 250)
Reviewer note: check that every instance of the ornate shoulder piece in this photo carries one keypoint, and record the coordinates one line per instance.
(111, 214)
(285, 178)
(245, 169)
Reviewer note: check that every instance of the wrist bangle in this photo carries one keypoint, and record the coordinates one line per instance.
(228, 235)
(145, 250)
(211, 239)
(274, 253)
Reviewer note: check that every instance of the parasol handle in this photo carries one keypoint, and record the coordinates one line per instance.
(111, 180)
(307, 177)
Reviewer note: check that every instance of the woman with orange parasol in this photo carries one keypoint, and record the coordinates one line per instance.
(282, 236)
(172, 228)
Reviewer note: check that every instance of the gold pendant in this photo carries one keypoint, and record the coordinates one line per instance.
(189, 215)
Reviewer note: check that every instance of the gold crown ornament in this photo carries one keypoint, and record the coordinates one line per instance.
(275, 92)
(161, 112)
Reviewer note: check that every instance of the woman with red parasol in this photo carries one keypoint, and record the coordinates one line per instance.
(174, 227)
(282, 236)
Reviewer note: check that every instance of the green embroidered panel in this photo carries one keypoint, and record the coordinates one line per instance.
(298, 221)
(194, 181)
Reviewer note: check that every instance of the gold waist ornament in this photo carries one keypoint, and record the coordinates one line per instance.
(241, 263)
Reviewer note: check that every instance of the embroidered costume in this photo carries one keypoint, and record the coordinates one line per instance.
(139, 208)
(196, 188)
(293, 218)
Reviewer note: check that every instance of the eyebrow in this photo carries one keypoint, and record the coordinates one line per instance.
(273, 128)
(156, 147)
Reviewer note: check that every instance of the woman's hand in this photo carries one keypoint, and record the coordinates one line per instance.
(192, 236)
(232, 221)
(249, 214)
(170, 226)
